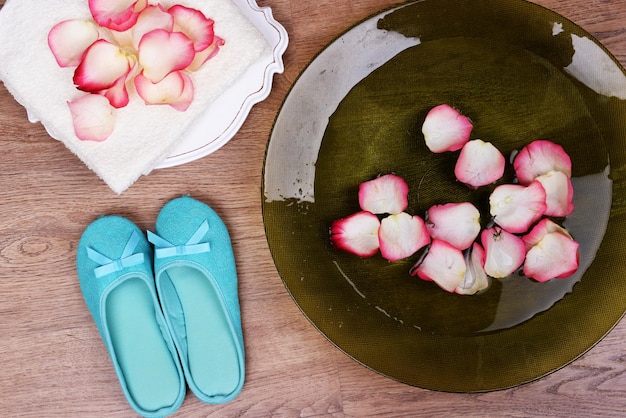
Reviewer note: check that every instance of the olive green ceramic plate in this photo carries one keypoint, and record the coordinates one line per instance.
(520, 72)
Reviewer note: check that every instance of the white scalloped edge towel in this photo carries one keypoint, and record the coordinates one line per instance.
(143, 134)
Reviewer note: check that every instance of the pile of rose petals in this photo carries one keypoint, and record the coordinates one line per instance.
(131, 45)
(459, 255)
(397, 235)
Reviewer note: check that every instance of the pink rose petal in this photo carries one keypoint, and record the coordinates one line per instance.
(456, 223)
(384, 194)
(194, 24)
(151, 18)
(401, 235)
(140, 5)
(176, 90)
(183, 101)
(554, 256)
(540, 157)
(102, 66)
(162, 52)
(446, 129)
(475, 278)
(118, 15)
(480, 163)
(442, 264)
(545, 226)
(205, 55)
(117, 93)
(356, 234)
(559, 193)
(68, 40)
(504, 252)
(93, 117)
(516, 207)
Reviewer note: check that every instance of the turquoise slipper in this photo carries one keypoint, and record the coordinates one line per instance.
(114, 263)
(196, 281)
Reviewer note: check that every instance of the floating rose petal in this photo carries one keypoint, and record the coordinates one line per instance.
(102, 66)
(475, 278)
(516, 207)
(445, 129)
(194, 24)
(559, 193)
(162, 52)
(456, 223)
(401, 235)
(540, 157)
(442, 264)
(545, 226)
(68, 40)
(356, 234)
(118, 15)
(504, 252)
(176, 90)
(555, 256)
(384, 194)
(93, 116)
(480, 163)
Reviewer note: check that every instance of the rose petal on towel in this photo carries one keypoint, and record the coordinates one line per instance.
(194, 24)
(102, 66)
(93, 116)
(140, 5)
(176, 90)
(117, 93)
(68, 40)
(162, 52)
(205, 55)
(118, 15)
(183, 101)
(151, 18)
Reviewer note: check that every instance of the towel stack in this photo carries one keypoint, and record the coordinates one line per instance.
(143, 135)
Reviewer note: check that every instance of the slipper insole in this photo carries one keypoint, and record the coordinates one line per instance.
(212, 353)
(144, 358)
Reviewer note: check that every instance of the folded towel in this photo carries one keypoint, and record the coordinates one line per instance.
(143, 134)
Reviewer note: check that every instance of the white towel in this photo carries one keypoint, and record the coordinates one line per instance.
(143, 134)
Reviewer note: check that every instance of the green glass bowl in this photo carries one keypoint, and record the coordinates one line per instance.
(520, 72)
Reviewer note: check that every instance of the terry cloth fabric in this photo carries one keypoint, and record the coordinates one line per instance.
(143, 134)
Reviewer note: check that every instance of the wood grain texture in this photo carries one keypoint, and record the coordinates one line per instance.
(52, 360)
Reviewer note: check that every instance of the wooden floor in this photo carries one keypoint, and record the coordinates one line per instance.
(52, 361)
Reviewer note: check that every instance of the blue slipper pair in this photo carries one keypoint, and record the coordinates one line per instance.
(178, 323)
